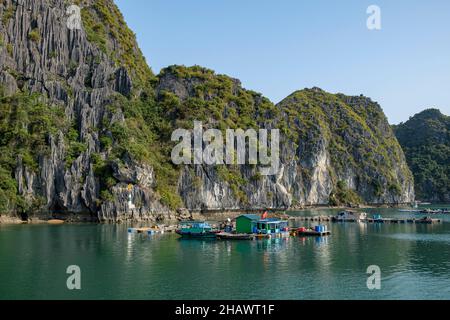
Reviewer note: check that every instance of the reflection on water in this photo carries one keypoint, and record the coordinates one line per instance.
(131, 239)
(414, 259)
(421, 237)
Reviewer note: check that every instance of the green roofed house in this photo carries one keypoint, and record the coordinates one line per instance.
(247, 223)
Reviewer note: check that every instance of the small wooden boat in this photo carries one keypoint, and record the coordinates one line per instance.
(313, 233)
(304, 232)
(235, 236)
(263, 236)
(198, 230)
(426, 220)
(435, 211)
(138, 230)
(350, 216)
(55, 221)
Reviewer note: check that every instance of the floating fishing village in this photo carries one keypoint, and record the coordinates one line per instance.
(255, 226)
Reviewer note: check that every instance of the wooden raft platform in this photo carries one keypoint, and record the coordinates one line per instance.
(317, 218)
(368, 220)
(235, 236)
(144, 230)
(312, 233)
(391, 220)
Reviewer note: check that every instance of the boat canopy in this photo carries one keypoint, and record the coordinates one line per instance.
(195, 224)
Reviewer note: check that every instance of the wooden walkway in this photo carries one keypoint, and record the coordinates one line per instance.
(392, 220)
(316, 218)
(368, 220)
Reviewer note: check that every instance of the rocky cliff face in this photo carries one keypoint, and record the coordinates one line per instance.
(85, 128)
(85, 71)
(425, 138)
(335, 149)
(346, 149)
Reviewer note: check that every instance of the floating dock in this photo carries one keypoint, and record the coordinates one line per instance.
(392, 220)
(235, 236)
(272, 236)
(145, 230)
(313, 218)
(369, 220)
(312, 233)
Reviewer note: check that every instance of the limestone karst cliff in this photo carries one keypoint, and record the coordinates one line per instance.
(85, 126)
(425, 138)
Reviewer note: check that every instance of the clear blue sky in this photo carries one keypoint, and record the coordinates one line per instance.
(278, 46)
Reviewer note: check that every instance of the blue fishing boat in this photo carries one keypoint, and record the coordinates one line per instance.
(196, 229)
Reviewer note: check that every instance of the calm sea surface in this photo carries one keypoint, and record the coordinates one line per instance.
(414, 262)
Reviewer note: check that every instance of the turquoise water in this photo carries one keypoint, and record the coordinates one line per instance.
(414, 261)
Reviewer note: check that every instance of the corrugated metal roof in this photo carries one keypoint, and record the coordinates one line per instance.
(272, 220)
(251, 216)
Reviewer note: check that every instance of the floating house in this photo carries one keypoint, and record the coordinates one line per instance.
(247, 223)
(350, 216)
(271, 226)
(252, 223)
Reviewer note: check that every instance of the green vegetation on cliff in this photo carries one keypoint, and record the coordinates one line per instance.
(118, 114)
(105, 26)
(425, 138)
(219, 102)
(140, 135)
(143, 136)
(355, 133)
(342, 195)
(26, 123)
(214, 99)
